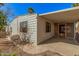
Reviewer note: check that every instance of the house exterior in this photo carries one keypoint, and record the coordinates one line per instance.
(62, 23)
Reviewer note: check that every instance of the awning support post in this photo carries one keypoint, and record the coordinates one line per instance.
(75, 32)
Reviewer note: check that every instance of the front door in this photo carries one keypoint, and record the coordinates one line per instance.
(64, 30)
(61, 30)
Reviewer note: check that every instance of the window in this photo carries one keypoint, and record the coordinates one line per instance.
(23, 26)
(48, 27)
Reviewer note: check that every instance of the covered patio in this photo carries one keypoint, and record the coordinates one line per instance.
(64, 22)
(69, 15)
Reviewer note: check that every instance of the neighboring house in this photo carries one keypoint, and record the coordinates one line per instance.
(41, 27)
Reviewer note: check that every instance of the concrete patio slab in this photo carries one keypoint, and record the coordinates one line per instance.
(62, 46)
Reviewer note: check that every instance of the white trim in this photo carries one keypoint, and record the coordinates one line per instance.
(75, 32)
(68, 9)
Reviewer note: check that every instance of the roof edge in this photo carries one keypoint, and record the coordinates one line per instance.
(68, 9)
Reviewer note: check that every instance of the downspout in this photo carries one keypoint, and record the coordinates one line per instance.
(74, 31)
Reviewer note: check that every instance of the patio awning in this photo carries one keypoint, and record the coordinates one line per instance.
(67, 15)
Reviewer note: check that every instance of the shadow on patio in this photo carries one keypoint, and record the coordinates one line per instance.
(55, 40)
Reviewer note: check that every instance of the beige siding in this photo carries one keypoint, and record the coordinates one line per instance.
(13, 25)
(41, 34)
(31, 24)
(77, 26)
(36, 27)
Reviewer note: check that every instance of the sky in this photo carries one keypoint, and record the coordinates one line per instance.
(21, 8)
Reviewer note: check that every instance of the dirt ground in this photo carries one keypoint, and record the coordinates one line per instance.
(52, 47)
(8, 48)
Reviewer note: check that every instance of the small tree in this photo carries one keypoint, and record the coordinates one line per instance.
(4, 16)
(75, 4)
(3, 22)
(1, 4)
(31, 10)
